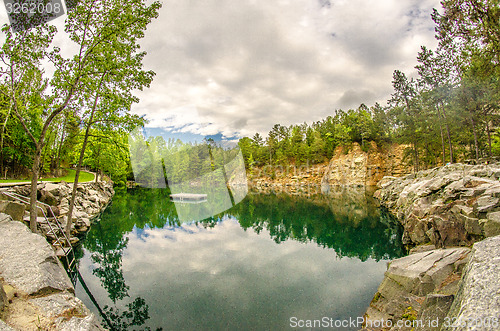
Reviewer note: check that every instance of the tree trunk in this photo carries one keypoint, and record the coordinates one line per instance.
(442, 144)
(59, 148)
(475, 137)
(415, 155)
(78, 167)
(489, 137)
(448, 133)
(34, 183)
(4, 125)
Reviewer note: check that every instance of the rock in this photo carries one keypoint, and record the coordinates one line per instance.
(493, 191)
(48, 198)
(422, 248)
(66, 312)
(5, 327)
(5, 217)
(54, 189)
(464, 210)
(492, 224)
(435, 308)
(13, 208)
(408, 280)
(59, 311)
(40, 273)
(473, 225)
(354, 166)
(445, 206)
(424, 272)
(3, 298)
(87, 323)
(486, 203)
(477, 299)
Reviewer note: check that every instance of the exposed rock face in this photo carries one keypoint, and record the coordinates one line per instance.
(416, 284)
(354, 167)
(433, 311)
(455, 205)
(304, 180)
(478, 302)
(42, 294)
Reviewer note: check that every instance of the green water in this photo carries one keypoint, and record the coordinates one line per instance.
(264, 262)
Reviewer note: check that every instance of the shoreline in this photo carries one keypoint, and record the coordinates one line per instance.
(411, 198)
(37, 292)
(444, 211)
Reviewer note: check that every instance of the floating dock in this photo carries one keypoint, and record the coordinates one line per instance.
(188, 197)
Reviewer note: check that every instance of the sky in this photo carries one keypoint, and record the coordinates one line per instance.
(239, 67)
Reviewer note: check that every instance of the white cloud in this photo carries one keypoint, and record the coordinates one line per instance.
(246, 65)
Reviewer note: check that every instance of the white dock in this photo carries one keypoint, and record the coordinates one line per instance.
(188, 197)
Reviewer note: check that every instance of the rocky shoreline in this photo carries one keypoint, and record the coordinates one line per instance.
(35, 291)
(443, 284)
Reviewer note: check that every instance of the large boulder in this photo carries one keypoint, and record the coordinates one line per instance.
(425, 272)
(411, 279)
(13, 208)
(48, 198)
(28, 263)
(478, 301)
(43, 294)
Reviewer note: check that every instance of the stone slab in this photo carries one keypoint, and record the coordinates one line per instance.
(421, 273)
(492, 224)
(28, 263)
(478, 298)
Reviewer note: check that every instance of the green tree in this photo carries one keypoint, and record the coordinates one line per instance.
(403, 99)
(95, 26)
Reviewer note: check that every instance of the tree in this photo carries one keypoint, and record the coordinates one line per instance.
(435, 73)
(403, 98)
(94, 26)
(106, 96)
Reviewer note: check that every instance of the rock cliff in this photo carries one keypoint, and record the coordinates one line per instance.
(354, 167)
(455, 205)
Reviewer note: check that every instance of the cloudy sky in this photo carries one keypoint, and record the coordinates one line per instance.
(245, 65)
(239, 67)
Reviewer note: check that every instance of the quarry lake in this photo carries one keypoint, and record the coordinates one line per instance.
(268, 261)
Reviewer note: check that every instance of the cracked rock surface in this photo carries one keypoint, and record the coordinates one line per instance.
(39, 293)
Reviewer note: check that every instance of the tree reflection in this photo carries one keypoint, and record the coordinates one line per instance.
(137, 314)
(106, 242)
(346, 222)
(369, 233)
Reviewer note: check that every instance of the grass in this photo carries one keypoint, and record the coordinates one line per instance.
(70, 177)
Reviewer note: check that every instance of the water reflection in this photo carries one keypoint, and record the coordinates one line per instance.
(267, 259)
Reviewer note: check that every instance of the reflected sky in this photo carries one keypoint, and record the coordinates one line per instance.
(226, 277)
